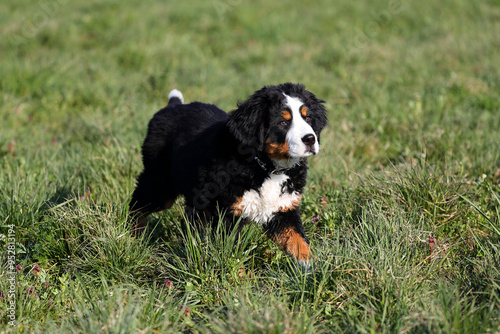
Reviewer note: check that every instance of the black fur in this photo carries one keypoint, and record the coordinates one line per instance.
(213, 158)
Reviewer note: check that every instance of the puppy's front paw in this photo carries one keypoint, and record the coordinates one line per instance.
(306, 265)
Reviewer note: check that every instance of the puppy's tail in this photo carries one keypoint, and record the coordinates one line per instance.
(175, 97)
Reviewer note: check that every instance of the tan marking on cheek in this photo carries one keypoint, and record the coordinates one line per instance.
(293, 244)
(286, 115)
(303, 111)
(277, 151)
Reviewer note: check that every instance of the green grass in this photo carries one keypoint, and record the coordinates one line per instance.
(411, 153)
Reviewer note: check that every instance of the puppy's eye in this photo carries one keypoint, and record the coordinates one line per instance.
(284, 123)
(308, 119)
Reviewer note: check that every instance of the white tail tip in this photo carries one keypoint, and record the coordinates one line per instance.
(176, 93)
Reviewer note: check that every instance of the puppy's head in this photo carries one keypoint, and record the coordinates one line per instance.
(283, 121)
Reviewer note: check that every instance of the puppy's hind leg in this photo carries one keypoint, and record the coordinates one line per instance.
(149, 196)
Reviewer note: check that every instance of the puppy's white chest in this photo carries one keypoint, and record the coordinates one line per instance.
(260, 206)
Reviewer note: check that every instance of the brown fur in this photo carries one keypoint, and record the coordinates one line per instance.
(304, 111)
(277, 151)
(293, 244)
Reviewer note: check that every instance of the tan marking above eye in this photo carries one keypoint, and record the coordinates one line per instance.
(303, 111)
(286, 115)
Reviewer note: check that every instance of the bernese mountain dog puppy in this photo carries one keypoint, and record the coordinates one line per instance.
(249, 165)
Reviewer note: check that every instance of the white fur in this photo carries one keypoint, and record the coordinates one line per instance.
(260, 206)
(176, 93)
(298, 130)
(285, 163)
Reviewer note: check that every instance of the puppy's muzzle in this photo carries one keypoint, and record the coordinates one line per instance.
(309, 140)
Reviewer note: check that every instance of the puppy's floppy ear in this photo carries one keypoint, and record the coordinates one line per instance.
(248, 123)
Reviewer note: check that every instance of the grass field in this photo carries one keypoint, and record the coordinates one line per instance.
(402, 206)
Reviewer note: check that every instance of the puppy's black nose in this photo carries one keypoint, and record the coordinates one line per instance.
(309, 139)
